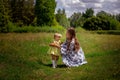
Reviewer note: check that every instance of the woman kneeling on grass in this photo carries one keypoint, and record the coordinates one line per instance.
(72, 54)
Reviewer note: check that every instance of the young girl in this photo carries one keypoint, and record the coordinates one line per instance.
(71, 51)
(55, 49)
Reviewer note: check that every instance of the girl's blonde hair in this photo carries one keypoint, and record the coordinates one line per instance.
(57, 34)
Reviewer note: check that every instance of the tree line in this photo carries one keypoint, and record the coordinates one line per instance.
(101, 21)
(26, 12)
(42, 13)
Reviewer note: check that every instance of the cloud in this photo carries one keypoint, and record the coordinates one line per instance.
(71, 6)
(75, 1)
(98, 5)
(92, 1)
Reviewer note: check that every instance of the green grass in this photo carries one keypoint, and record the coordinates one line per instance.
(24, 57)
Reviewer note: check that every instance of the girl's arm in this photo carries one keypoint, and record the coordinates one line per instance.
(54, 45)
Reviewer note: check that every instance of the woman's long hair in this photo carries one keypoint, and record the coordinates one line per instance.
(71, 31)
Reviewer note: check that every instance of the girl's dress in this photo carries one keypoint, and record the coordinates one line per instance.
(70, 57)
(53, 50)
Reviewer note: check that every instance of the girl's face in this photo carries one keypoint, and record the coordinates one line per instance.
(57, 38)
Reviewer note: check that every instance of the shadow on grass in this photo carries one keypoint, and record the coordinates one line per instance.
(58, 66)
(50, 65)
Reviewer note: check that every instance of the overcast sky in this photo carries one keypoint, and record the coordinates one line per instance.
(71, 6)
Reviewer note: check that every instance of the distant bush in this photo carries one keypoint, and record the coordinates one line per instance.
(9, 27)
(13, 28)
(96, 23)
(114, 24)
(101, 23)
(80, 29)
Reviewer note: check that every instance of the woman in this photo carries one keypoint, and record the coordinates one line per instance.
(72, 54)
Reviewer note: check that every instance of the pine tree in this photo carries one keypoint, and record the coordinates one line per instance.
(61, 18)
(28, 12)
(4, 15)
(88, 13)
(44, 11)
(17, 11)
(22, 11)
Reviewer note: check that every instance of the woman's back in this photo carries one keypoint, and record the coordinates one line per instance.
(70, 56)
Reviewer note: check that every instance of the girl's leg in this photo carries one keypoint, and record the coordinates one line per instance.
(53, 61)
(57, 57)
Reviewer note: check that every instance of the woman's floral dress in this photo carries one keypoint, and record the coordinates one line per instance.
(70, 57)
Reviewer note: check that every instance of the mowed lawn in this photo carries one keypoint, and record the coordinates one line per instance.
(24, 57)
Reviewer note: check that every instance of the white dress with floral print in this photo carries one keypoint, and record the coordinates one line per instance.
(70, 57)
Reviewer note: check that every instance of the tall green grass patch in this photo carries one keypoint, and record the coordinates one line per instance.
(24, 29)
(113, 32)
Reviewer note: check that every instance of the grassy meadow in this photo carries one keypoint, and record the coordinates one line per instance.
(23, 56)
